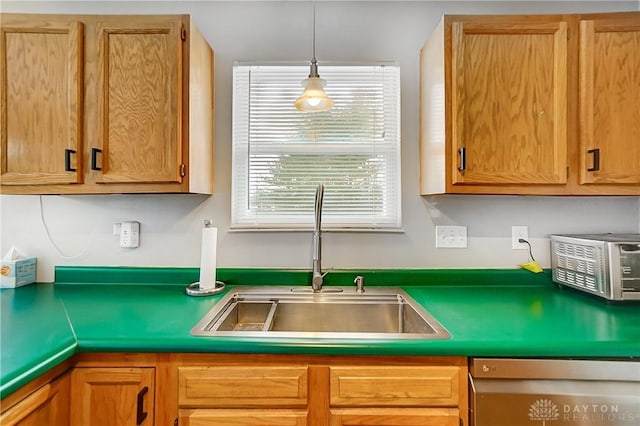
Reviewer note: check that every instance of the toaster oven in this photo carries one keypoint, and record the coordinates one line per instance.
(606, 265)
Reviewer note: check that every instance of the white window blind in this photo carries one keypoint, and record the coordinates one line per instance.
(281, 154)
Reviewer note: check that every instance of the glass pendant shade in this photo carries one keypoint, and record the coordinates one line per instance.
(314, 99)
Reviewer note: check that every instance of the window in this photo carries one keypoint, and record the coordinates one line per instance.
(281, 154)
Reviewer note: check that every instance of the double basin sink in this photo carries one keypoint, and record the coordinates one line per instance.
(335, 312)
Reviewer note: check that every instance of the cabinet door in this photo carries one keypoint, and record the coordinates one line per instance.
(112, 396)
(610, 100)
(41, 88)
(47, 406)
(508, 102)
(242, 417)
(139, 108)
(395, 417)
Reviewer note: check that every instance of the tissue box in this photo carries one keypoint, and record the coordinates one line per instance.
(16, 273)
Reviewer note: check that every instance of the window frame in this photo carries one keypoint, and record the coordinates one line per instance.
(390, 147)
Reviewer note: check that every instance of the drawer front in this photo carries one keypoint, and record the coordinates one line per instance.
(395, 386)
(242, 386)
(395, 417)
(255, 417)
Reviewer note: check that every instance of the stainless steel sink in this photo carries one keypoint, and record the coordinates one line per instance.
(380, 312)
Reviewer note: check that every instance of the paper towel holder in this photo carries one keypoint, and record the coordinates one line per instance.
(195, 290)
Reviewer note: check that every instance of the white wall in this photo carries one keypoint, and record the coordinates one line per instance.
(81, 226)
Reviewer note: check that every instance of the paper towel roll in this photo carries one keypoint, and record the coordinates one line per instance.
(208, 255)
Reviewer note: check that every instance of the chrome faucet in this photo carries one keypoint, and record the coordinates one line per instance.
(317, 276)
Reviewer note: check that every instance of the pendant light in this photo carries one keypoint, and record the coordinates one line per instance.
(314, 99)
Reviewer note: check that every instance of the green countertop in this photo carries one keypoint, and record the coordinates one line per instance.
(35, 334)
(488, 313)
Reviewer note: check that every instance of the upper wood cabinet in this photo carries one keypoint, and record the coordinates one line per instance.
(137, 136)
(105, 104)
(610, 100)
(508, 102)
(41, 84)
(499, 99)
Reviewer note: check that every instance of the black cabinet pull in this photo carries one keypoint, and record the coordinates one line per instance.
(67, 160)
(140, 413)
(596, 159)
(463, 159)
(94, 158)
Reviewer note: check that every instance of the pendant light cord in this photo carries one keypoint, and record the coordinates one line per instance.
(313, 70)
(313, 50)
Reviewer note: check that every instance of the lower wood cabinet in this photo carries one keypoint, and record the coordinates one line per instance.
(122, 389)
(112, 396)
(405, 386)
(48, 405)
(226, 393)
(242, 386)
(395, 417)
(243, 417)
(388, 395)
(218, 389)
(92, 389)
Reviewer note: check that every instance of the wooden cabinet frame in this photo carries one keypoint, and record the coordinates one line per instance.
(139, 118)
(341, 390)
(564, 170)
(287, 389)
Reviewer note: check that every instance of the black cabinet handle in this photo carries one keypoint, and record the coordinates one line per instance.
(94, 158)
(67, 160)
(596, 159)
(140, 413)
(462, 152)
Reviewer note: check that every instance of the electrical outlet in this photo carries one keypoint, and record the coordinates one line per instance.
(451, 236)
(130, 234)
(518, 232)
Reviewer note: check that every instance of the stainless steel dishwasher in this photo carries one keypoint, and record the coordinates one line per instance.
(549, 392)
